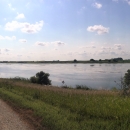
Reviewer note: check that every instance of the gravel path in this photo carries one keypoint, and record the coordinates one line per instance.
(10, 120)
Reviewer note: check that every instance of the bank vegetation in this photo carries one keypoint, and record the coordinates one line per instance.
(57, 108)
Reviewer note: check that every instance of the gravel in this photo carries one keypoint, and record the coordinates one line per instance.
(10, 120)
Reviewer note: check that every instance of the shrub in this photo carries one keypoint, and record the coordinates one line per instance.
(41, 78)
(127, 78)
(82, 87)
(92, 60)
(75, 60)
(33, 79)
(125, 84)
(17, 78)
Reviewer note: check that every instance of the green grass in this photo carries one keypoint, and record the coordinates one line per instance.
(69, 109)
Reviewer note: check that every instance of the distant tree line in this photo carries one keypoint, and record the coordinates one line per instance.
(107, 60)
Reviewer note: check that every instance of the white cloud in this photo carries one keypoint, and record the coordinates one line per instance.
(22, 40)
(113, 53)
(91, 46)
(41, 43)
(102, 52)
(2, 38)
(10, 6)
(97, 5)
(25, 27)
(59, 43)
(11, 26)
(128, 1)
(19, 55)
(32, 28)
(5, 19)
(70, 53)
(10, 38)
(118, 46)
(20, 16)
(81, 10)
(7, 38)
(27, 4)
(6, 50)
(98, 28)
(115, 0)
(106, 48)
(82, 53)
(55, 49)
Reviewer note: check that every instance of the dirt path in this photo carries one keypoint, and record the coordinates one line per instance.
(10, 120)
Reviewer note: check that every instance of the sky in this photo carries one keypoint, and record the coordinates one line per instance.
(36, 30)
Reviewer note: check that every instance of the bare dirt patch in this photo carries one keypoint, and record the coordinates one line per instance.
(10, 120)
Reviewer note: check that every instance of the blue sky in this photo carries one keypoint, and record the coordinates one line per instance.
(64, 29)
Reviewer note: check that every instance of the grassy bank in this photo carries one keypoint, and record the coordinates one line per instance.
(69, 109)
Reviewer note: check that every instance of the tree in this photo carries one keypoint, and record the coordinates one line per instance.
(127, 78)
(75, 60)
(125, 84)
(41, 78)
(92, 60)
(109, 60)
(33, 79)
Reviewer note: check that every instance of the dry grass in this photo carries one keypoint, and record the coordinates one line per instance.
(59, 89)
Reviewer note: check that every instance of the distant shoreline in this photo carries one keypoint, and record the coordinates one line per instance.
(71, 62)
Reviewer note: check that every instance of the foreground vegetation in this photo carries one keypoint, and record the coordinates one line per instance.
(69, 109)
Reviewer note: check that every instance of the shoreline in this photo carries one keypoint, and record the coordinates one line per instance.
(63, 62)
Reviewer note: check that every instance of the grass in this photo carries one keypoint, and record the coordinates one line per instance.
(69, 109)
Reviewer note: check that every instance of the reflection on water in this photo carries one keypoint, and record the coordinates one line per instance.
(94, 76)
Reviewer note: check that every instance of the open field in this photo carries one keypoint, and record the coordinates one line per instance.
(69, 109)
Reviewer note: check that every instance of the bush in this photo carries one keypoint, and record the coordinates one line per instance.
(125, 84)
(33, 79)
(41, 78)
(75, 60)
(127, 78)
(92, 60)
(82, 87)
(17, 78)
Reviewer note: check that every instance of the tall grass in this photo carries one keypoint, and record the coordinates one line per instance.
(69, 109)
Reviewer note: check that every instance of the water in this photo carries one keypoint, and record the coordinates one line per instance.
(99, 76)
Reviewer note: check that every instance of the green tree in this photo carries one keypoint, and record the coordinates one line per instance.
(125, 84)
(75, 60)
(127, 78)
(41, 78)
(92, 60)
(33, 79)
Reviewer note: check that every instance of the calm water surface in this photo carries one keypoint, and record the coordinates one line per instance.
(99, 76)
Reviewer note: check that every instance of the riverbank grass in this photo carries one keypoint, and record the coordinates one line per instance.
(69, 109)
